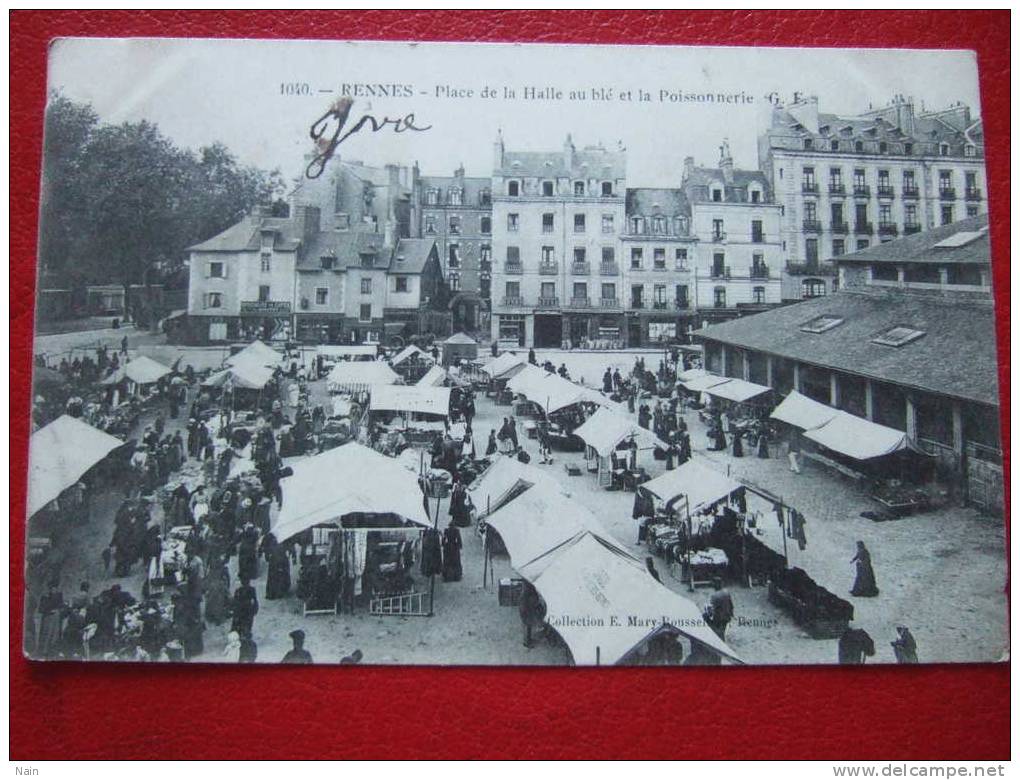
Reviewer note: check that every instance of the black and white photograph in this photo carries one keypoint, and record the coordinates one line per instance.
(513, 354)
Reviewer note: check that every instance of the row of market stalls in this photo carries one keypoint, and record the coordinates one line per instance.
(599, 598)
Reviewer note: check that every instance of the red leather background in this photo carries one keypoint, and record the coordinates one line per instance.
(76, 711)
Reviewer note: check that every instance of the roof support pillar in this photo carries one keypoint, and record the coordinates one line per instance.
(796, 377)
(958, 430)
(768, 371)
(723, 356)
(869, 400)
(911, 417)
(834, 397)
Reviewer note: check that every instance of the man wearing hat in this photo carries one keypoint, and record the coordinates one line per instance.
(297, 654)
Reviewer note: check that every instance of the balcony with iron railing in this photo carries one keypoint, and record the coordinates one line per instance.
(660, 305)
(809, 187)
(947, 193)
(681, 304)
(888, 229)
(718, 237)
(886, 191)
(911, 193)
(580, 303)
(548, 268)
(837, 188)
(973, 193)
(862, 191)
(840, 228)
(812, 226)
(582, 268)
(548, 302)
(911, 227)
(609, 303)
(609, 269)
(512, 301)
(864, 228)
(757, 237)
(759, 272)
(637, 303)
(721, 272)
(513, 269)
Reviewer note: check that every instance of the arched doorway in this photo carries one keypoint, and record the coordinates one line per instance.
(467, 309)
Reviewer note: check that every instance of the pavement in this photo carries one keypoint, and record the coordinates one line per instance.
(941, 573)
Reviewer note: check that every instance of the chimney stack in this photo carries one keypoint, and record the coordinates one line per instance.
(568, 153)
(726, 161)
(499, 151)
(688, 167)
(307, 221)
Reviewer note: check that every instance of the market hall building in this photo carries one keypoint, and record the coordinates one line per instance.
(908, 342)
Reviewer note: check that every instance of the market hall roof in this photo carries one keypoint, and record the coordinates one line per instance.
(246, 236)
(964, 241)
(954, 355)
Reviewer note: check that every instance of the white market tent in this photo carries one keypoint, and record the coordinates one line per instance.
(701, 485)
(858, 438)
(605, 429)
(504, 366)
(689, 374)
(434, 377)
(737, 390)
(460, 338)
(256, 353)
(409, 352)
(539, 520)
(142, 371)
(59, 454)
(350, 478)
(803, 412)
(549, 391)
(245, 374)
(613, 603)
(411, 399)
(504, 480)
(360, 375)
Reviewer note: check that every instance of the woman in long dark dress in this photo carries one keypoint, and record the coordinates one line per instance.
(490, 448)
(217, 591)
(278, 578)
(864, 584)
(452, 570)
(460, 506)
(247, 554)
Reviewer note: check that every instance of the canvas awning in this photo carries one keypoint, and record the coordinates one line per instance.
(460, 338)
(803, 412)
(412, 399)
(690, 374)
(59, 454)
(142, 370)
(503, 480)
(506, 365)
(539, 520)
(360, 374)
(700, 484)
(549, 391)
(858, 438)
(352, 350)
(409, 352)
(605, 429)
(701, 383)
(350, 478)
(256, 353)
(737, 390)
(434, 377)
(604, 603)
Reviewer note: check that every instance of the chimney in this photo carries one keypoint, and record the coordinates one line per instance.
(306, 221)
(499, 151)
(688, 167)
(726, 161)
(568, 153)
(388, 234)
(459, 172)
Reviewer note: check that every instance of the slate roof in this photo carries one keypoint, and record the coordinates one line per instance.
(472, 185)
(647, 201)
(590, 162)
(245, 236)
(920, 247)
(955, 356)
(700, 179)
(346, 247)
(415, 253)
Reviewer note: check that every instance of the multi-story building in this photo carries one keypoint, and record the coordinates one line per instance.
(340, 269)
(556, 218)
(456, 212)
(739, 256)
(847, 183)
(658, 254)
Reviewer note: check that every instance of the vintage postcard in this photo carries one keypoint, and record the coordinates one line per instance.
(393, 353)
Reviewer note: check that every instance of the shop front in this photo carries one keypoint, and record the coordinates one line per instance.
(265, 321)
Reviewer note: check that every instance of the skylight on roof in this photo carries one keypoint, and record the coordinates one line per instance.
(821, 324)
(898, 336)
(962, 238)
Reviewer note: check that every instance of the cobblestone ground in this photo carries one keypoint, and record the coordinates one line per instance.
(942, 573)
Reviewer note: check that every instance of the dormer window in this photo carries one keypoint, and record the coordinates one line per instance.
(513, 189)
(456, 196)
(485, 198)
(970, 150)
(636, 225)
(432, 196)
(755, 196)
(579, 189)
(326, 262)
(898, 336)
(547, 189)
(944, 150)
(834, 146)
(858, 146)
(607, 189)
(659, 225)
(717, 195)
